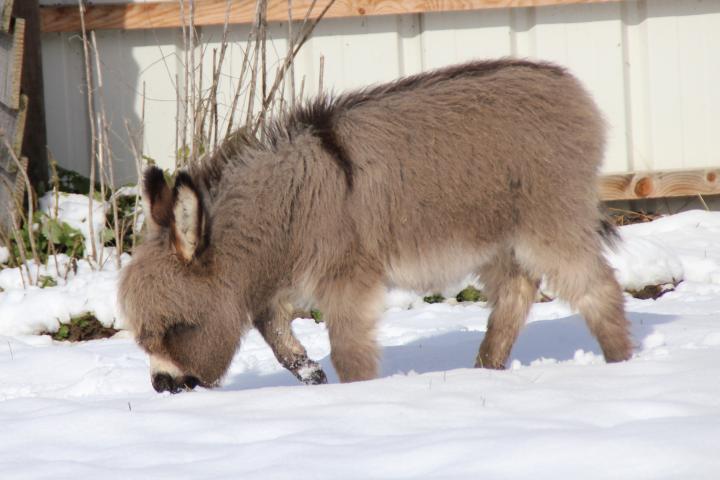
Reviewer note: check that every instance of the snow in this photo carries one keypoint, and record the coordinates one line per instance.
(678, 247)
(25, 311)
(87, 410)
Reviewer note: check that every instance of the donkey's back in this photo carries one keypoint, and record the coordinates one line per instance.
(486, 147)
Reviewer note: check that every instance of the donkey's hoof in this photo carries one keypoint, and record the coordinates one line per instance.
(312, 374)
(489, 364)
(318, 377)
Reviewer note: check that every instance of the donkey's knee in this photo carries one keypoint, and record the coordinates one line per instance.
(275, 327)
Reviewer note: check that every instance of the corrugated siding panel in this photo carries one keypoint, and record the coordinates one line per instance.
(65, 106)
(652, 66)
(455, 37)
(588, 39)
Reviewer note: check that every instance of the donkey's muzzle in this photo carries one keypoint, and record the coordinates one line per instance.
(163, 382)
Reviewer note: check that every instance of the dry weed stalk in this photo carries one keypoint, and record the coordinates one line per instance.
(93, 134)
(22, 171)
(198, 124)
(55, 182)
(105, 161)
(27, 220)
(253, 71)
(101, 158)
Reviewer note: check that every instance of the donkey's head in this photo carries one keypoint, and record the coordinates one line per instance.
(181, 311)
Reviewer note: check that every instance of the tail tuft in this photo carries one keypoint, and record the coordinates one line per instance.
(608, 232)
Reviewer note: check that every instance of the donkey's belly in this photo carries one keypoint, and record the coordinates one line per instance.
(435, 269)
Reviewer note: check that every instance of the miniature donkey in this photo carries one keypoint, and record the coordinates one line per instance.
(488, 167)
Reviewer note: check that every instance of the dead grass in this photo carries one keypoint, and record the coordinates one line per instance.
(622, 217)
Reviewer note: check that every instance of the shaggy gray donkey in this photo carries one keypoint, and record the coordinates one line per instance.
(488, 167)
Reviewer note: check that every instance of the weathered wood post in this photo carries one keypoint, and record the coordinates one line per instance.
(22, 111)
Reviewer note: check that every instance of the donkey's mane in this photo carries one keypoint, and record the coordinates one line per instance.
(208, 171)
(320, 114)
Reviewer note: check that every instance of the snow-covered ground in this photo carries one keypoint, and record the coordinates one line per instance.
(88, 410)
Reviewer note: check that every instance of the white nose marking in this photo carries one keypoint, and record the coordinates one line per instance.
(163, 365)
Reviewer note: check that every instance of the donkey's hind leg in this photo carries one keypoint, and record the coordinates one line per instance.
(511, 292)
(275, 327)
(580, 275)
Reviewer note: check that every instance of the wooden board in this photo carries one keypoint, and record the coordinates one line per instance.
(12, 186)
(681, 183)
(12, 125)
(212, 12)
(34, 145)
(11, 58)
(6, 7)
(12, 189)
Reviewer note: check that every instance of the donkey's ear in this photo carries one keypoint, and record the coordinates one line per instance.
(189, 225)
(157, 199)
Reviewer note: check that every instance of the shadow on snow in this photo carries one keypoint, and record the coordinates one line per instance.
(558, 339)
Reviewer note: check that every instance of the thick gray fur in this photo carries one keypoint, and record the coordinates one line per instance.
(488, 167)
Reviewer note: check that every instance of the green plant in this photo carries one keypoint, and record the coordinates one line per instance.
(82, 327)
(63, 332)
(316, 315)
(70, 181)
(51, 236)
(46, 281)
(434, 298)
(65, 239)
(471, 294)
(126, 205)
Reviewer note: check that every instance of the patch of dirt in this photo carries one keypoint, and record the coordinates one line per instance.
(82, 328)
(652, 291)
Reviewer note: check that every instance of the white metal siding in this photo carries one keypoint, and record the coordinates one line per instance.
(653, 67)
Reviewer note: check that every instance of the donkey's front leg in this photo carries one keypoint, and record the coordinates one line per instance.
(351, 310)
(274, 326)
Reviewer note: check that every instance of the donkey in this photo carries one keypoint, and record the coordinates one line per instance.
(489, 167)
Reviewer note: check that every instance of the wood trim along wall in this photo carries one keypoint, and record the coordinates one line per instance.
(680, 183)
(130, 16)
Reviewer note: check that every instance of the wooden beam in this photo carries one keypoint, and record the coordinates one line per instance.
(12, 186)
(12, 127)
(34, 145)
(683, 183)
(11, 62)
(212, 12)
(6, 7)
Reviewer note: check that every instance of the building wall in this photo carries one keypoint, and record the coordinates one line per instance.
(653, 67)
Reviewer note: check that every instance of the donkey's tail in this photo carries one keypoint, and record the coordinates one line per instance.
(608, 231)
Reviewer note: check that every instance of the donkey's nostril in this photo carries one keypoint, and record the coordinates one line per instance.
(162, 382)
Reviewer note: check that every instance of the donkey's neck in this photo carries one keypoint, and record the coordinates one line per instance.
(249, 229)
(275, 211)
